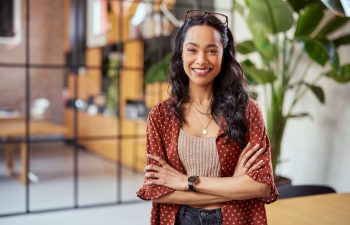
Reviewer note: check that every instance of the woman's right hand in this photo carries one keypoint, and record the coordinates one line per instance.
(246, 161)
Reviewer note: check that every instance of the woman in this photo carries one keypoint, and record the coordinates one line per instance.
(208, 155)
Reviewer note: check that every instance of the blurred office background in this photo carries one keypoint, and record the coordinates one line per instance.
(77, 79)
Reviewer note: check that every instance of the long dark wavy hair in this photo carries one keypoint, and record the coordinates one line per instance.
(229, 95)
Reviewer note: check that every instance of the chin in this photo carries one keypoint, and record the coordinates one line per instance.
(201, 82)
(203, 77)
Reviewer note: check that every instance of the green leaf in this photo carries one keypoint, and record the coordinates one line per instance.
(238, 7)
(332, 25)
(309, 19)
(342, 40)
(300, 4)
(258, 76)
(315, 50)
(341, 76)
(246, 47)
(318, 92)
(273, 16)
(247, 63)
(158, 71)
(332, 52)
(299, 115)
(261, 41)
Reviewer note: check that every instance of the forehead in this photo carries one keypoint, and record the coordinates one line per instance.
(203, 35)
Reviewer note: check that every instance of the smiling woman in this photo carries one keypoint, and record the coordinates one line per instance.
(207, 145)
(202, 55)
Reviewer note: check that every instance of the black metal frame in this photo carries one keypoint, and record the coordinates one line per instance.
(74, 65)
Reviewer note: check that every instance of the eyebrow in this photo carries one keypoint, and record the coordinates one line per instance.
(208, 46)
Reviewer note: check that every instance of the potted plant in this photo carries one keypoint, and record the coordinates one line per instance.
(156, 78)
(282, 32)
(158, 71)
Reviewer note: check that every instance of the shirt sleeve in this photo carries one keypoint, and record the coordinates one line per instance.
(257, 136)
(154, 146)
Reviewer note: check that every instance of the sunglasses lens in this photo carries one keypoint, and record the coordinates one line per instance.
(222, 19)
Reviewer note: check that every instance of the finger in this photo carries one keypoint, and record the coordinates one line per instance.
(152, 167)
(151, 175)
(157, 158)
(246, 148)
(249, 153)
(244, 151)
(256, 166)
(254, 157)
(154, 182)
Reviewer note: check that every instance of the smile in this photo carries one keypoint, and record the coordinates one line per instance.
(200, 71)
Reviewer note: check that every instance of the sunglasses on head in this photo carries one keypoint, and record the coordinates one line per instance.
(221, 19)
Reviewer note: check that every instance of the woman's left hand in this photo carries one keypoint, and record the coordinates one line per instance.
(247, 160)
(165, 175)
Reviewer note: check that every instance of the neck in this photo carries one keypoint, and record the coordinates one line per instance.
(201, 95)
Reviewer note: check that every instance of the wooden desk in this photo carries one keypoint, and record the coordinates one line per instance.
(12, 129)
(326, 209)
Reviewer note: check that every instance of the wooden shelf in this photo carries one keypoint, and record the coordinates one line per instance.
(130, 136)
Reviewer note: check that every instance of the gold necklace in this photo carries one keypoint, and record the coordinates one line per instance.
(205, 128)
(203, 113)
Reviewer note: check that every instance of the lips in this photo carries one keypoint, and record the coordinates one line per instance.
(201, 71)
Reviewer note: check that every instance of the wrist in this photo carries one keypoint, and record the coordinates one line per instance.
(185, 183)
(192, 181)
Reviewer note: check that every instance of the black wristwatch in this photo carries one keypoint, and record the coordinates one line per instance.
(191, 181)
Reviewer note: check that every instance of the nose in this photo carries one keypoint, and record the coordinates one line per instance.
(201, 58)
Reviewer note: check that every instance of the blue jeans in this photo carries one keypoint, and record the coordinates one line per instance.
(197, 216)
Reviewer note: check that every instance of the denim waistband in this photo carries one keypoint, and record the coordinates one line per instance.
(202, 212)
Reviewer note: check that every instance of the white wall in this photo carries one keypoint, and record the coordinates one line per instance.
(316, 151)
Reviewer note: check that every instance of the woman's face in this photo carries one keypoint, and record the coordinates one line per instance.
(202, 55)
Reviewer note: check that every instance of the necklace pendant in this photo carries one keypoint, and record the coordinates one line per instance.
(204, 132)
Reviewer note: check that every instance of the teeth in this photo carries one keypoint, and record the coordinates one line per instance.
(201, 70)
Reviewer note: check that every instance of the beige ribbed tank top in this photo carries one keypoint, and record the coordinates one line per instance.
(198, 155)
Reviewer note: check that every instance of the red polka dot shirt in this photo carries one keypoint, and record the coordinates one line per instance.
(162, 137)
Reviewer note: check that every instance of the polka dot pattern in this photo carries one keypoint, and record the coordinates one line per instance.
(162, 136)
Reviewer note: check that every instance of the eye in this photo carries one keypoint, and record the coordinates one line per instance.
(192, 50)
(213, 51)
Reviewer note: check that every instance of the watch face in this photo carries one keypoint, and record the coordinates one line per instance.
(192, 179)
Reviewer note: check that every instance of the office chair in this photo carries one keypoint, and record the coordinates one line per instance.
(289, 191)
